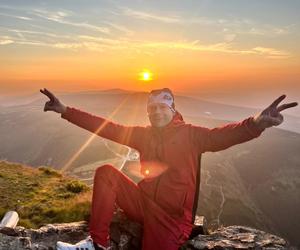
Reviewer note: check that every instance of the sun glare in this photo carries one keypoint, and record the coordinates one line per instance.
(146, 76)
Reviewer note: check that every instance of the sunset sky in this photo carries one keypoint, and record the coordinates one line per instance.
(189, 46)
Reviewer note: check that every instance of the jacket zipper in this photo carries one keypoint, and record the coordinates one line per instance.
(159, 177)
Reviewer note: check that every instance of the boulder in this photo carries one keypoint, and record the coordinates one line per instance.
(236, 237)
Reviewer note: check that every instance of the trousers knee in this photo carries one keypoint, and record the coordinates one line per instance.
(105, 171)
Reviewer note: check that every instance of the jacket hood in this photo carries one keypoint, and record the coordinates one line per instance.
(177, 120)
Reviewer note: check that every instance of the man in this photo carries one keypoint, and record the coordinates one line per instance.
(165, 201)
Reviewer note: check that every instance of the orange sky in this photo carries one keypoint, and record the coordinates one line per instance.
(187, 47)
(182, 70)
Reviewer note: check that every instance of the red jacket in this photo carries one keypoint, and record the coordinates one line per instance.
(175, 148)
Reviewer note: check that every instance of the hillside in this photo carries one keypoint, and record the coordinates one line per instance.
(42, 195)
(255, 184)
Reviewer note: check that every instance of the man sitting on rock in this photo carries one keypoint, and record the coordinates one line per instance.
(165, 201)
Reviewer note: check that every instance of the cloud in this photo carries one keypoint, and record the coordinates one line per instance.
(220, 48)
(271, 52)
(148, 16)
(101, 44)
(4, 42)
(166, 18)
(60, 17)
(229, 37)
(233, 25)
(39, 38)
(264, 30)
(17, 17)
(67, 45)
(193, 45)
(101, 40)
(228, 28)
(121, 28)
(38, 33)
(57, 16)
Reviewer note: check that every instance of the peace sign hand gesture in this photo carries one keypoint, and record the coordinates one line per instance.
(53, 104)
(271, 115)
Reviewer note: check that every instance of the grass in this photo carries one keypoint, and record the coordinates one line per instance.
(42, 196)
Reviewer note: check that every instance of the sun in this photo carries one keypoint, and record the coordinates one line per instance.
(145, 75)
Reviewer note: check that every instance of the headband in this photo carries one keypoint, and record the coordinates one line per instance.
(162, 97)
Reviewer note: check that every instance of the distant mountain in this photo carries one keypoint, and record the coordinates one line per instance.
(108, 91)
(15, 100)
(24, 99)
(189, 106)
(258, 180)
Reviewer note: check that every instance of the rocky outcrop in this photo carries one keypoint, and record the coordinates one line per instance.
(127, 235)
(236, 237)
(43, 238)
(124, 235)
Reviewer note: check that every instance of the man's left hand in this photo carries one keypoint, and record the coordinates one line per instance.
(271, 115)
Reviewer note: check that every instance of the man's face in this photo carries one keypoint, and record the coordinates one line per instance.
(159, 114)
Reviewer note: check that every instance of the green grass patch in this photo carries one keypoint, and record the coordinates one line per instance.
(50, 171)
(42, 196)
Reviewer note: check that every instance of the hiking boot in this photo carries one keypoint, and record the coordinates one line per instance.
(86, 244)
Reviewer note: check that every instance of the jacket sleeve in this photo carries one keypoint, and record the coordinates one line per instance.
(131, 136)
(220, 138)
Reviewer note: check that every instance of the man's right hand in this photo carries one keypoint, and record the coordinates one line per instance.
(53, 104)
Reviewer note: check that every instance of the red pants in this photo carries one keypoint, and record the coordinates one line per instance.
(161, 232)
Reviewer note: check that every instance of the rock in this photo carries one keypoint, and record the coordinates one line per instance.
(126, 235)
(11, 242)
(44, 238)
(200, 226)
(236, 237)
